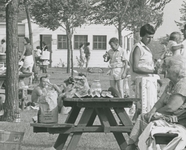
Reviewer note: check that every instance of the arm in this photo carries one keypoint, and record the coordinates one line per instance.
(176, 47)
(22, 56)
(159, 104)
(174, 103)
(36, 93)
(136, 68)
(57, 88)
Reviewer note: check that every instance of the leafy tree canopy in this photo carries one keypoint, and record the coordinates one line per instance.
(129, 13)
(56, 13)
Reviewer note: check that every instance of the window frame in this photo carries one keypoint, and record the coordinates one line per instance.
(78, 42)
(97, 42)
(63, 35)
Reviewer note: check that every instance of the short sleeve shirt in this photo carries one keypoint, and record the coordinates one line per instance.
(178, 88)
(117, 57)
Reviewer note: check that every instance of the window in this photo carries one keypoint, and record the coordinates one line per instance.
(79, 39)
(62, 42)
(99, 42)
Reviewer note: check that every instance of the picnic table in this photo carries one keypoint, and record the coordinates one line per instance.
(110, 111)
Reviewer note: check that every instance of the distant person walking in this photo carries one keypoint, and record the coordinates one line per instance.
(87, 54)
(81, 59)
(37, 53)
(3, 46)
(45, 56)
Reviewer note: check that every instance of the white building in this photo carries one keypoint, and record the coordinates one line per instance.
(97, 35)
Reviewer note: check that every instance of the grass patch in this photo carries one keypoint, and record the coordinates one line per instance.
(40, 141)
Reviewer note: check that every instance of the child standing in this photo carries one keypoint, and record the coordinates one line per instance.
(174, 45)
(117, 65)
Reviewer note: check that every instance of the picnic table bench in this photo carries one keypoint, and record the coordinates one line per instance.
(106, 109)
(110, 111)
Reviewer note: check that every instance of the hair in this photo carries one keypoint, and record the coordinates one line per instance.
(176, 64)
(146, 29)
(3, 40)
(27, 39)
(81, 45)
(87, 44)
(43, 77)
(114, 40)
(174, 36)
(37, 47)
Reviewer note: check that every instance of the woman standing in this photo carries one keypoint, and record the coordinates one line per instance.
(82, 56)
(28, 59)
(142, 65)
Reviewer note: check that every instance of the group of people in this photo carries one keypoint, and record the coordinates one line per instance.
(27, 57)
(173, 100)
(84, 54)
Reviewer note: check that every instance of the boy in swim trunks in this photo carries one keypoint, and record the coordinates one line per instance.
(117, 64)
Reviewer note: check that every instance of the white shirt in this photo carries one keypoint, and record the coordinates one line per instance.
(3, 48)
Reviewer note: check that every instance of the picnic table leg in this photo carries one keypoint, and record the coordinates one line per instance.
(92, 118)
(103, 119)
(61, 139)
(123, 116)
(84, 120)
(119, 136)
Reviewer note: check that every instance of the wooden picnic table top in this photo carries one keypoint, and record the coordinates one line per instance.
(100, 102)
(101, 99)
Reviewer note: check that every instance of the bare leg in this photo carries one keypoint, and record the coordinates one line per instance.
(113, 84)
(119, 84)
(87, 61)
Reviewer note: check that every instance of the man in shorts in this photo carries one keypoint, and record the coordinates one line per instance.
(117, 64)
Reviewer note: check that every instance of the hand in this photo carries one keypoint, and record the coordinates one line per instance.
(105, 55)
(148, 116)
(124, 75)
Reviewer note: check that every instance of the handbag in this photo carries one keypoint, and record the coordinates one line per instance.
(45, 55)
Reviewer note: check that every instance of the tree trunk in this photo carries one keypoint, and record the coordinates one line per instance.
(72, 62)
(68, 54)
(120, 35)
(30, 34)
(12, 76)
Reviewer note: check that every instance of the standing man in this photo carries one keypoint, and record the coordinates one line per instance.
(87, 54)
(3, 46)
(117, 64)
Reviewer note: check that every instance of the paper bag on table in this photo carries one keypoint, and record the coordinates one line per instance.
(48, 108)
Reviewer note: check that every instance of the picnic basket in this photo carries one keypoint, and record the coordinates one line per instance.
(10, 140)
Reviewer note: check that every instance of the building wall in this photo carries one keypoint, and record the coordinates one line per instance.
(59, 56)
